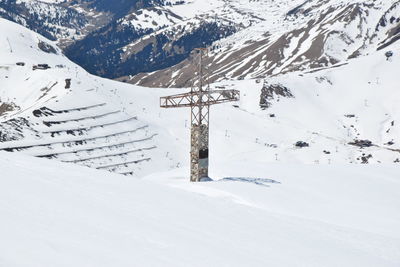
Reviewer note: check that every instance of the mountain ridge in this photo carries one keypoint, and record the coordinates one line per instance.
(320, 35)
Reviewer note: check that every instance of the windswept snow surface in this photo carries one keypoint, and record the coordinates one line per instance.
(54, 214)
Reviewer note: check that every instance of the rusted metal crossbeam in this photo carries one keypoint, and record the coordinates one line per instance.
(191, 99)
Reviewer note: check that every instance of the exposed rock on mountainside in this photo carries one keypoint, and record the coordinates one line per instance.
(314, 35)
(15, 129)
(272, 91)
(390, 22)
(6, 107)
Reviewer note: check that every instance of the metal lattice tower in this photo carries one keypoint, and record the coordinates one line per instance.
(199, 99)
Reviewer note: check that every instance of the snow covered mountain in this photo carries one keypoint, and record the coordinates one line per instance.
(291, 36)
(150, 38)
(150, 42)
(49, 18)
(102, 36)
(53, 108)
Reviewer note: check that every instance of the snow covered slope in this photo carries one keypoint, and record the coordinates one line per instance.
(54, 214)
(52, 108)
(333, 110)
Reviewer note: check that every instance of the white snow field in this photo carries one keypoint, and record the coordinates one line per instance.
(56, 214)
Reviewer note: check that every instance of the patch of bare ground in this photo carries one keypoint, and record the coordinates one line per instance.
(6, 107)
